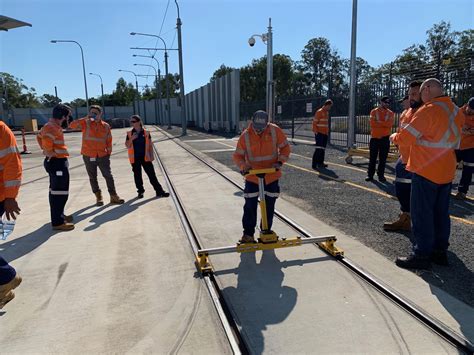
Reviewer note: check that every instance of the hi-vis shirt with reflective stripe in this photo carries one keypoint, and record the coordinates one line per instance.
(51, 140)
(405, 119)
(10, 164)
(321, 121)
(262, 151)
(432, 135)
(467, 133)
(381, 122)
(96, 137)
(148, 146)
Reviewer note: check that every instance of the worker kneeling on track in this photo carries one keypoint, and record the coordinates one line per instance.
(262, 145)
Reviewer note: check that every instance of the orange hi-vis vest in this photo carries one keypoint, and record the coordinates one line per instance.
(96, 137)
(321, 121)
(405, 118)
(10, 164)
(51, 140)
(467, 133)
(433, 134)
(381, 122)
(260, 151)
(148, 147)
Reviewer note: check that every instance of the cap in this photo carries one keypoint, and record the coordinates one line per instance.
(385, 99)
(260, 120)
(403, 99)
(470, 103)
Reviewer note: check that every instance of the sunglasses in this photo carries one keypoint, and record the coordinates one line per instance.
(133, 121)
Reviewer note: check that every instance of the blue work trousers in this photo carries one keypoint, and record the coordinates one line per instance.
(320, 150)
(249, 220)
(467, 156)
(403, 186)
(58, 171)
(431, 224)
(7, 273)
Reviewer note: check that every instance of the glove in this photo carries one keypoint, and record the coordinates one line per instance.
(244, 169)
(277, 165)
(244, 172)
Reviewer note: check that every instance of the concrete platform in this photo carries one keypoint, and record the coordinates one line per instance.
(122, 281)
(298, 300)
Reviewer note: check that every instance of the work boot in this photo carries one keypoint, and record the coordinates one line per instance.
(369, 178)
(6, 298)
(68, 218)
(402, 224)
(162, 193)
(116, 200)
(100, 200)
(247, 239)
(382, 179)
(14, 283)
(439, 257)
(460, 196)
(64, 227)
(413, 262)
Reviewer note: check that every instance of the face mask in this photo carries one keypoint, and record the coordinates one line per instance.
(415, 104)
(259, 126)
(93, 116)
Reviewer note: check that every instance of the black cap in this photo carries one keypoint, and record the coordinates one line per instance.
(385, 99)
(470, 103)
(403, 99)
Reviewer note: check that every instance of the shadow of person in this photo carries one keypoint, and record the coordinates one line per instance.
(116, 213)
(458, 281)
(260, 299)
(328, 173)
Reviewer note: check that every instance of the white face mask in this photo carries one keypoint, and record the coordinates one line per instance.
(259, 125)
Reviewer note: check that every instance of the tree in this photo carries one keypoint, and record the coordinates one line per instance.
(16, 94)
(440, 43)
(316, 63)
(222, 71)
(48, 100)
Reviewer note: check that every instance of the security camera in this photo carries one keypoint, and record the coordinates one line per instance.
(251, 41)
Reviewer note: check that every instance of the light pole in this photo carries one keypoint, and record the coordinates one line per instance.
(83, 64)
(158, 88)
(102, 90)
(181, 75)
(136, 85)
(166, 72)
(156, 78)
(267, 38)
(353, 79)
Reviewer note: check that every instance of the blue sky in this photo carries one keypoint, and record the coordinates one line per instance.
(214, 32)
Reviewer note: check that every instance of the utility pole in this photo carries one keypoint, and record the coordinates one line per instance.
(181, 75)
(352, 91)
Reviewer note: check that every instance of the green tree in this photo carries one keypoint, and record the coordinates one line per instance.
(16, 94)
(316, 63)
(48, 100)
(222, 71)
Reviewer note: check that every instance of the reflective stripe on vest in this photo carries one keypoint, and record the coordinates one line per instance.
(377, 117)
(403, 180)
(87, 135)
(265, 157)
(452, 128)
(9, 150)
(12, 183)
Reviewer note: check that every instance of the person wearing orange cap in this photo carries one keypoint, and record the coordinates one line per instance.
(381, 122)
(466, 150)
(411, 104)
(432, 135)
(321, 133)
(262, 145)
(10, 181)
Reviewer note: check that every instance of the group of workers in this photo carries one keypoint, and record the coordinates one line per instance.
(431, 129)
(96, 150)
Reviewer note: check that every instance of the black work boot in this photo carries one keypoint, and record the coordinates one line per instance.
(413, 262)
(439, 257)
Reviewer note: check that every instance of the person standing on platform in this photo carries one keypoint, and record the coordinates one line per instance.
(402, 176)
(262, 145)
(10, 181)
(96, 150)
(140, 154)
(432, 135)
(321, 133)
(381, 122)
(466, 150)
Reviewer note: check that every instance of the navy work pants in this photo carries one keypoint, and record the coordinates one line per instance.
(403, 185)
(430, 216)
(378, 147)
(319, 151)
(149, 170)
(467, 156)
(249, 220)
(58, 171)
(7, 273)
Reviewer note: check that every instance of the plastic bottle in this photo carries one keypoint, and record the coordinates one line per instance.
(6, 227)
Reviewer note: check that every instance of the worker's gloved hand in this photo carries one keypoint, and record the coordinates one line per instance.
(244, 169)
(277, 165)
(244, 172)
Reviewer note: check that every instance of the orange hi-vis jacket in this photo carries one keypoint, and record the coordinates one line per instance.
(467, 133)
(148, 147)
(96, 137)
(321, 121)
(381, 122)
(433, 134)
(405, 118)
(10, 164)
(260, 151)
(51, 140)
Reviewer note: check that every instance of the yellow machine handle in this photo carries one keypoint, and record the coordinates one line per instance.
(261, 171)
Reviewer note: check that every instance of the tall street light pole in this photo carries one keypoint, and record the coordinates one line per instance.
(102, 91)
(166, 72)
(136, 85)
(353, 80)
(181, 74)
(83, 65)
(159, 113)
(156, 78)
(267, 38)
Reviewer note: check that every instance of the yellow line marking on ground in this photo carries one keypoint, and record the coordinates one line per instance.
(463, 220)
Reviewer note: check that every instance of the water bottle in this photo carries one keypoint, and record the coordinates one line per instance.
(6, 227)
